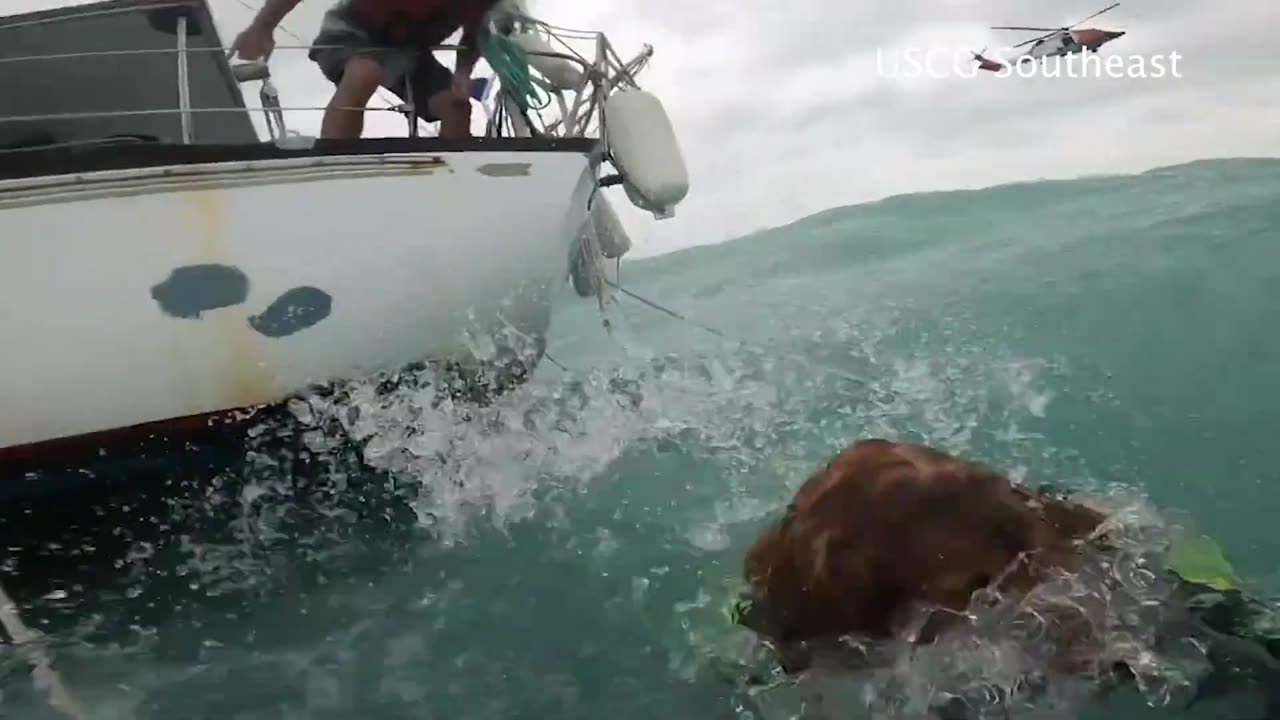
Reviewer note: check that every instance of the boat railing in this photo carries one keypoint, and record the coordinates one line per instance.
(566, 77)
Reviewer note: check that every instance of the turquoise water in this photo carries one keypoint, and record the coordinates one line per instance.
(1096, 333)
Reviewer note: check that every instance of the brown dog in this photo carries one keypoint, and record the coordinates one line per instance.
(888, 527)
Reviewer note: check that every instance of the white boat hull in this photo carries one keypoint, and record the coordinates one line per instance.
(387, 260)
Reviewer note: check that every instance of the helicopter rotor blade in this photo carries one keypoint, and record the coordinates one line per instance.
(1037, 39)
(1028, 29)
(1105, 9)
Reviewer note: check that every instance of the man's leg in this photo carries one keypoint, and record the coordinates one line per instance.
(454, 114)
(356, 64)
(435, 100)
(344, 115)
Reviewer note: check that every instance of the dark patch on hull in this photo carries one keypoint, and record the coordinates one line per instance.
(193, 289)
(296, 309)
(504, 169)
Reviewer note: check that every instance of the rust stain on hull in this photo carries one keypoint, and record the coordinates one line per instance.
(247, 378)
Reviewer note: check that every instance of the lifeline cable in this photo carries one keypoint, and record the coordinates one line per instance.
(719, 333)
(665, 310)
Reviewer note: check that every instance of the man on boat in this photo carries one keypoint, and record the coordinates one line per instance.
(366, 43)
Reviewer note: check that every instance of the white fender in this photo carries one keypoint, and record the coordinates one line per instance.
(645, 150)
(584, 272)
(610, 233)
(563, 74)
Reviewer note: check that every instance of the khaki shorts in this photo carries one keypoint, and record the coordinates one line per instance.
(427, 76)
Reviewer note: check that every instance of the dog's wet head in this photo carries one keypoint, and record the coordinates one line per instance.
(888, 528)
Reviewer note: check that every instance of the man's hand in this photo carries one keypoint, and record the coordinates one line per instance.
(255, 43)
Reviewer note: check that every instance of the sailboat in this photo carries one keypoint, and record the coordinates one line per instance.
(170, 266)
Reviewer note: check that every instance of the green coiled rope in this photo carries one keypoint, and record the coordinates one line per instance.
(510, 63)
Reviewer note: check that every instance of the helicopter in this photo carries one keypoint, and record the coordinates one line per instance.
(1055, 42)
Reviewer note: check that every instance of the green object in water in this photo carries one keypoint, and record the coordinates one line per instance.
(712, 637)
(1200, 559)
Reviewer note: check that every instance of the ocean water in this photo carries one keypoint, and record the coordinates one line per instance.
(559, 555)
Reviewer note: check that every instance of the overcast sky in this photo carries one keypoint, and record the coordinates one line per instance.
(782, 108)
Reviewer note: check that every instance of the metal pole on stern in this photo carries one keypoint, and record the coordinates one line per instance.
(184, 82)
(43, 673)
